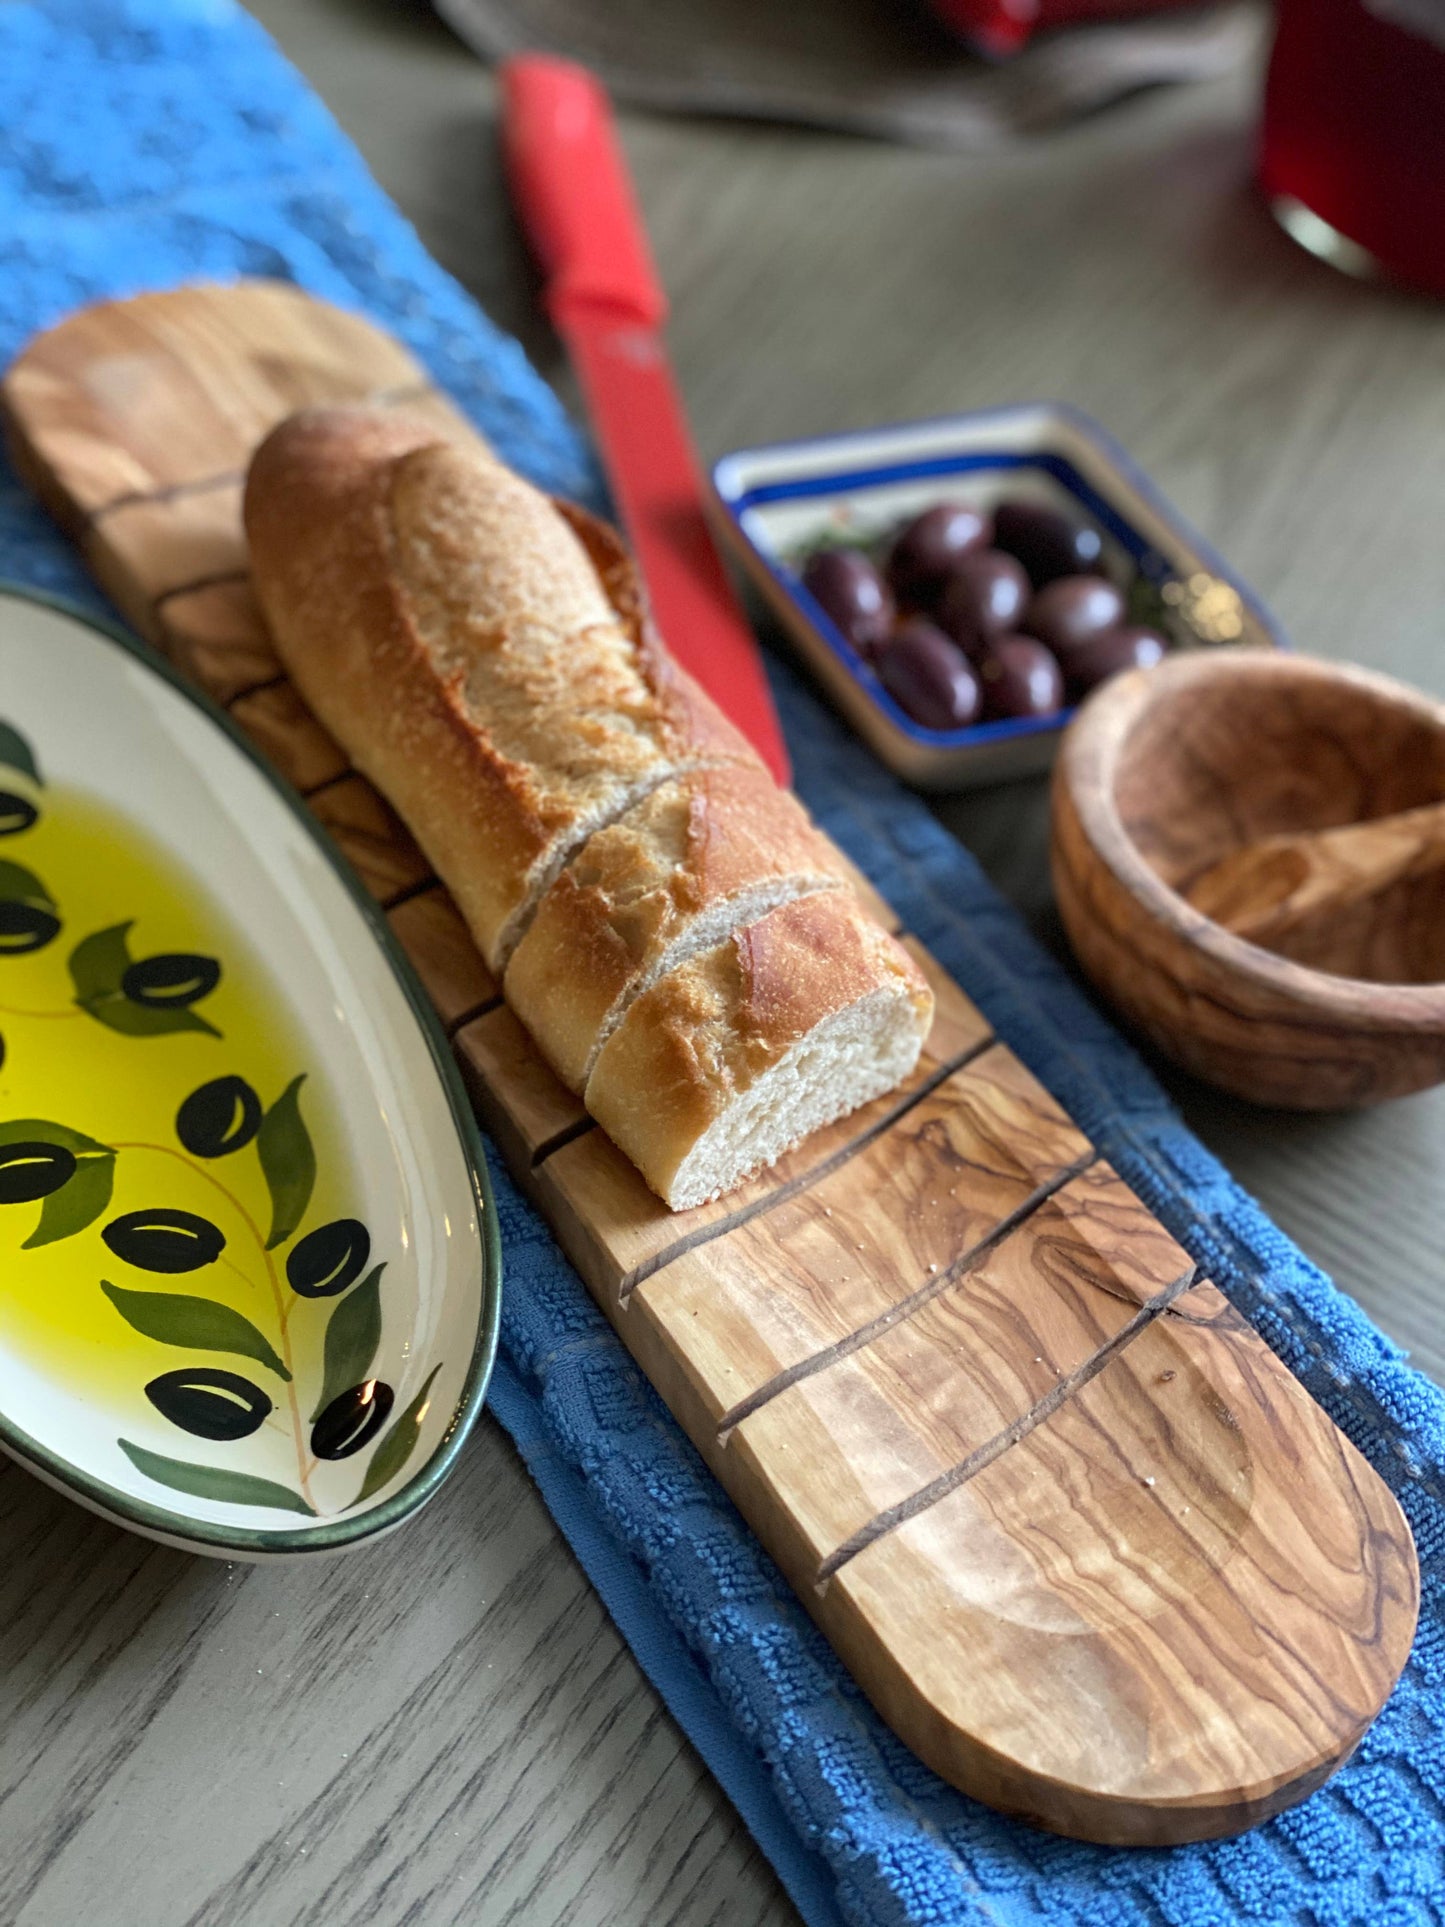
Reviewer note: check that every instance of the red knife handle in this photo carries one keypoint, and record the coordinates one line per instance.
(571, 185)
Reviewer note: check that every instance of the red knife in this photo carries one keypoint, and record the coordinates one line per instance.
(572, 190)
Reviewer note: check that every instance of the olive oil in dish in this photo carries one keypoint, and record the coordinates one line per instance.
(179, 1224)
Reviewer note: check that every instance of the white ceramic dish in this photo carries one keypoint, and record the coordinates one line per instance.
(775, 502)
(247, 1246)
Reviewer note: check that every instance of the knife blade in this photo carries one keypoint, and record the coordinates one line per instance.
(572, 190)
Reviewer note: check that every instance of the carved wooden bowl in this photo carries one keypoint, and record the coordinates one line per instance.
(1303, 803)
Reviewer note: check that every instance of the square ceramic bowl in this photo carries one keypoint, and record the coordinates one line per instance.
(779, 503)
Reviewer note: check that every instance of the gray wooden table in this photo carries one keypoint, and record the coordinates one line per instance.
(446, 1727)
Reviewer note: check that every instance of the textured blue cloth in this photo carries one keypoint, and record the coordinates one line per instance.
(155, 141)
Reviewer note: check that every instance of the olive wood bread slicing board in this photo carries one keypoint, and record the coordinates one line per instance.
(1082, 1539)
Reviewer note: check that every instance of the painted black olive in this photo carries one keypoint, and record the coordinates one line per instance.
(352, 1421)
(329, 1259)
(171, 981)
(16, 813)
(25, 927)
(164, 1240)
(33, 1170)
(218, 1118)
(210, 1404)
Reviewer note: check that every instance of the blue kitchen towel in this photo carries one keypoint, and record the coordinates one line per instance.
(148, 142)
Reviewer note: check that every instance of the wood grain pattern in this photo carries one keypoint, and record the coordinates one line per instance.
(460, 1730)
(373, 838)
(1166, 776)
(289, 736)
(1360, 900)
(443, 955)
(847, 1343)
(216, 636)
(1134, 1547)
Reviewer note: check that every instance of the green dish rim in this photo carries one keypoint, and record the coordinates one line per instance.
(119, 1505)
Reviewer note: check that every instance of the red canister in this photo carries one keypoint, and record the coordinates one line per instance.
(1353, 147)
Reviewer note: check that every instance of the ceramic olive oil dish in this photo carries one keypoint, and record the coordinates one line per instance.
(248, 1265)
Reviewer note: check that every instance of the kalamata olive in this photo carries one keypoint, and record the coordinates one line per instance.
(174, 980)
(853, 593)
(162, 1240)
(32, 1170)
(928, 547)
(329, 1259)
(984, 596)
(929, 676)
(208, 1403)
(1019, 677)
(16, 813)
(352, 1420)
(219, 1117)
(1130, 646)
(25, 927)
(1048, 543)
(1072, 609)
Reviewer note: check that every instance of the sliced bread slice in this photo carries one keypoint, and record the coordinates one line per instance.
(745, 1049)
(702, 856)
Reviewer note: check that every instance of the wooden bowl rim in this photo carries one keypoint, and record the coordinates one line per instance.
(1093, 749)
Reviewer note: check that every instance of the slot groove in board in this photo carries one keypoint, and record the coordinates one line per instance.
(569, 1135)
(805, 1180)
(466, 1017)
(218, 579)
(410, 890)
(984, 1455)
(415, 391)
(173, 492)
(254, 689)
(966, 1261)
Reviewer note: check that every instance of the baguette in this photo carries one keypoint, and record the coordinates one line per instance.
(448, 627)
(747, 1048)
(679, 939)
(697, 859)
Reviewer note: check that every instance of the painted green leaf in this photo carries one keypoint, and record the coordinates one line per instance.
(143, 1020)
(17, 884)
(176, 1318)
(98, 965)
(29, 1130)
(398, 1445)
(98, 962)
(16, 753)
(288, 1160)
(213, 1481)
(352, 1336)
(76, 1204)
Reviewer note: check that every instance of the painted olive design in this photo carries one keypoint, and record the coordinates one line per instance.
(352, 1421)
(164, 1240)
(218, 1118)
(210, 1404)
(171, 981)
(32, 1170)
(329, 1259)
(25, 927)
(16, 813)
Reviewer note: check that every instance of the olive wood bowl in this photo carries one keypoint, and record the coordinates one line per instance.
(1295, 798)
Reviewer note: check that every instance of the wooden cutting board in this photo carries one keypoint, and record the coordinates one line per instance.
(1084, 1542)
